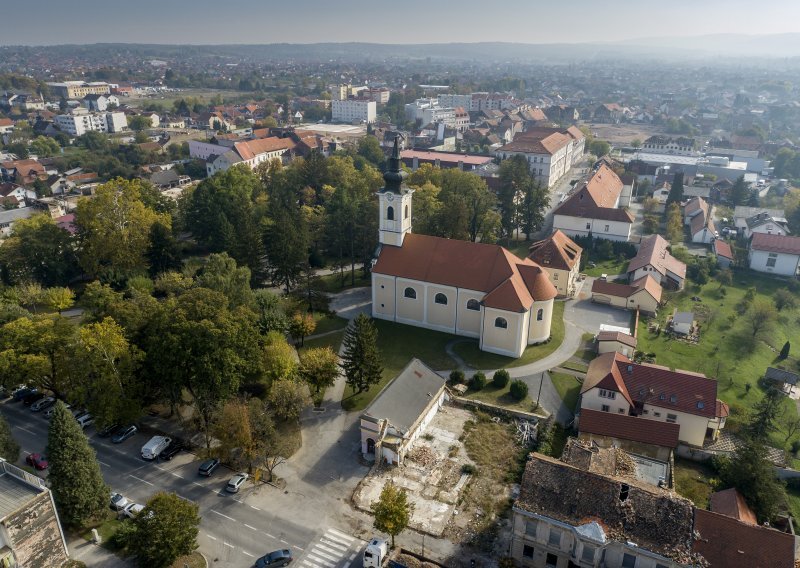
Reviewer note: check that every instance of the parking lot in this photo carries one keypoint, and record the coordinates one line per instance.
(235, 528)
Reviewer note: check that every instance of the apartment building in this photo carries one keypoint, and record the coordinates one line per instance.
(80, 121)
(79, 89)
(354, 110)
(551, 152)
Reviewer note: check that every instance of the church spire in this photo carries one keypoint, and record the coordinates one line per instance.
(394, 176)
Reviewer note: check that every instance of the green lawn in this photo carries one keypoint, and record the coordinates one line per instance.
(572, 365)
(327, 323)
(501, 397)
(334, 340)
(568, 388)
(693, 481)
(609, 267)
(793, 501)
(106, 527)
(333, 282)
(468, 349)
(726, 350)
(398, 343)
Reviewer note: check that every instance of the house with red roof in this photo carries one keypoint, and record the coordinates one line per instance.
(654, 259)
(647, 438)
(249, 152)
(594, 208)
(723, 252)
(470, 289)
(643, 294)
(561, 259)
(775, 254)
(550, 152)
(615, 384)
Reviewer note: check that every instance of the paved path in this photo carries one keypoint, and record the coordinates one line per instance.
(541, 388)
(95, 555)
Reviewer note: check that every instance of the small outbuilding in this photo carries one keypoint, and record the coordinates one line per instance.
(608, 341)
(682, 322)
(400, 413)
(723, 252)
(783, 379)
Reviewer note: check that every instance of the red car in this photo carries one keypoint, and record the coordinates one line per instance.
(37, 461)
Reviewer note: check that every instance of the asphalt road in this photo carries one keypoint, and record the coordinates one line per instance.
(235, 528)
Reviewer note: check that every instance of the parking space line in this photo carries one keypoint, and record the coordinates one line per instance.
(248, 554)
(140, 479)
(251, 528)
(228, 544)
(256, 508)
(25, 430)
(211, 537)
(269, 535)
(221, 515)
(176, 474)
(103, 463)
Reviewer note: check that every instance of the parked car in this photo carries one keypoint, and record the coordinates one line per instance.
(207, 467)
(33, 397)
(22, 391)
(118, 501)
(37, 461)
(85, 420)
(108, 431)
(275, 558)
(123, 434)
(154, 447)
(132, 509)
(171, 451)
(78, 412)
(43, 403)
(236, 482)
(51, 410)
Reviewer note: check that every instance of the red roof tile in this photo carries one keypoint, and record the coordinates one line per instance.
(617, 336)
(557, 251)
(731, 504)
(252, 148)
(596, 198)
(725, 543)
(629, 428)
(445, 157)
(723, 249)
(653, 252)
(775, 243)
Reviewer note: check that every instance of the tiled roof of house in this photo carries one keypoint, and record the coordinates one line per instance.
(647, 283)
(6, 122)
(696, 205)
(630, 428)
(725, 542)
(653, 252)
(775, 243)
(723, 249)
(596, 197)
(730, 503)
(702, 221)
(510, 283)
(557, 251)
(617, 336)
(531, 144)
(252, 148)
(445, 157)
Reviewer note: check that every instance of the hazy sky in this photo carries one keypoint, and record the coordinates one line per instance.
(399, 21)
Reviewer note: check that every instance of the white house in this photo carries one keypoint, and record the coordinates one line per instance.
(550, 152)
(775, 254)
(682, 322)
(354, 110)
(749, 220)
(99, 103)
(654, 259)
(248, 152)
(594, 208)
(561, 258)
(80, 121)
(459, 287)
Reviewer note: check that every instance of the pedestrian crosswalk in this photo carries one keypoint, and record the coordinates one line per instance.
(334, 549)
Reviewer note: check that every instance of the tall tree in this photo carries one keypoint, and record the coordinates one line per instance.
(319, 366)
(39, 250)
(674, 224)
(739, 192)
(163, 253)
(9, 448)
(676, 189)
(287, 398)
(165, 530)
(467, 207)
(221, 274)
(515, 178)
(763, 420)
(535, 201)
(392, 510)
(753, 475)
(75, 479)
(361, 360)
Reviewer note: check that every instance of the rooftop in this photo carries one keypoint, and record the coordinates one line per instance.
(557, 251)
(775, 243)
(631, 428)
(596, 197)
(445, 157)
(14, 492)
(731, 503)
(723, 249)
(624, 338)
(653, 252)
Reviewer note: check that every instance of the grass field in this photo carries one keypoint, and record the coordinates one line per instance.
(468, 350)
(334, 340)
(398, 343)
(327, 323)
(693, 481)
(333, 282)
(726, 349)
(609, 267)
(167, 99)
(568, 388)
(501, 397)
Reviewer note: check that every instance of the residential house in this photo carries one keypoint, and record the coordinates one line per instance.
(445, 160)
(99, 103)
(702, 229)
(723, 252)
(563, 113)
(354, 110)
(30, 531)
(785, 380)
(610, 113)
(759, 218)
(593, 208)
(561, 259)
(460, 287)
(775, 254)
(550, 152)
(614, 383)
(16, 193)
(6, 125)
(731, 503)
(654, 259)
(573, 515)
(22, 172)
(249, 152)
(681, 146)
(656, 440)
(643, 294)
(611, 341)
(399, 414)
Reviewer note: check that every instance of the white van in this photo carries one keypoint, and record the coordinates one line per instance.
(153, 447)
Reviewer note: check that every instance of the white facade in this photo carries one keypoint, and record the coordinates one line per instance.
(548, 168)
(202, 150)
(116, 122)
(354, 110)
(395, 217)
(581, 227)
(81, 121)
(780, 263)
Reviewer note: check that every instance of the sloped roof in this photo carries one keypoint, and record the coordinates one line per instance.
(730, 503)
(647, 283)
(252, 148)
(595, 198)
(724, 542)
(775, 243)
(723, 249)
(653, 252)
(781, 376)
(510, 283)
(525, 144)
(617, 336)
(556, 251)
(603, 373)
(630, 428)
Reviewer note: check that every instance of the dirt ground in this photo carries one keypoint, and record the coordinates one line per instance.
(623, 133)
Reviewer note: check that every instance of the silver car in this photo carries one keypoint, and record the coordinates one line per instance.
(236, 482)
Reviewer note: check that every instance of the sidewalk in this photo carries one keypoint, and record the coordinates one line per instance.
(95, 555)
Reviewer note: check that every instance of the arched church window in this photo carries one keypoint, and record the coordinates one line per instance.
(474, 305)
(501, 323)
(390, 213)
(440, 299)
(410, 293)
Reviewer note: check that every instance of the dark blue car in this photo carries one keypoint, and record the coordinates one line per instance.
(124, 434)
(277, 558)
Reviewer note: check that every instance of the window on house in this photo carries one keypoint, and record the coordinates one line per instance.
(390, 213)
(657, 414)
(607, 394)
(554, 539)
(406, 212)
(530, 528)
(588, 554)
(621, 411)
(588, 226)
(527, 551)
(540, 314)
(771, 262)
(607, 228)
(474, 305)
(501, 323)
(555, 276)
(672, 418)
(628, 561)
(605, 408)
(440, 299)
(410, 293)
(551, 560)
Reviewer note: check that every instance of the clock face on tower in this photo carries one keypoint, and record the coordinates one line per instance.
(390, 197)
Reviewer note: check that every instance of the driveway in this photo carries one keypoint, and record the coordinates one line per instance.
(588, 316)
(541, 389)
(349, 303)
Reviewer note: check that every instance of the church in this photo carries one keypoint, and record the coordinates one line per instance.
(460, 287)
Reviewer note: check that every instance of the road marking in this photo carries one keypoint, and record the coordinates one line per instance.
(211, 537)
(316, 550)
(248, 554)
(195, 483)
(284, 542)
(319, 560)
(221, 515)
(353, 556)
(140, 479)
(336, 545)
(26, 430)
(298, 548)
(256, 508)
(176, 474)
(269, 535)
(228, 544)
(340, 534)
(251, 528)
(103, 463)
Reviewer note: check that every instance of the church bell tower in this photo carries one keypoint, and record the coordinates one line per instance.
(394, 202)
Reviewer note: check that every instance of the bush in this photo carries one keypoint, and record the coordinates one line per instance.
(501, 378)
(478, 381)
(468, 468)
(457, 377)
(796, 446)
(518, 389)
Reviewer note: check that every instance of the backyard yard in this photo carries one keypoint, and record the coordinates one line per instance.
(694, 481)
(727, 348)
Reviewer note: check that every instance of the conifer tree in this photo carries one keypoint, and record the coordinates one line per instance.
(9, 448)
(361, 360)
(75, 479)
